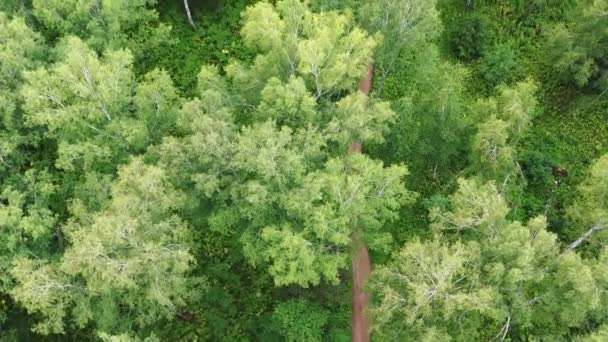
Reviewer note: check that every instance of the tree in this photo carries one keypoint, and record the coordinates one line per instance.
(499, 65)
(482, 276)
(88, 105)
(469, 37)
(325, 49)
(21, 49)
(433, 120)
(27, 223)
(125, 267)
(299, 320)
(578, 52)
(96, 116)
(590, 210)
(509, 115)
(264, 146)
(105, 23)
(405, 26)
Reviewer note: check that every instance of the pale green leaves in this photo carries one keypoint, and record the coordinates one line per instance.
(590, 208)
(134, 254)
(104, 23)
(20, 50)
(508, 115)
(26, 223)
(295, 260)
(475, 206)
(310, 246)
(44, 289)
(577, 50)
(355, 120)
(490, 148)
(325, 49)
(504, 274)
(20, 46)
(289, 104)
(257, 146)
(268, 153)
(263, 27)
(334, 54)
(157, 102)
(62, 16)
(592, 205)
(428, 282)
(81, 86)
(94, 108)
(406, 25)
(515, 105)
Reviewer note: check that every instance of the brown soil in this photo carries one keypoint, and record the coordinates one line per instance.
(361, 263)
(366, 84)
(361, 269)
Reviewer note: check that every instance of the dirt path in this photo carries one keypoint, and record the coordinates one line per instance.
(361, 266)
(361, 269)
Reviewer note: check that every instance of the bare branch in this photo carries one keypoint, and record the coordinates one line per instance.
(585, 236)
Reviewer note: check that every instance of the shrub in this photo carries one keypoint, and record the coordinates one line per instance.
(300, 320)
(499, 65)
(468, 37)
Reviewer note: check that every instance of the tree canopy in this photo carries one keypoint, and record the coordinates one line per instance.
(229, 170)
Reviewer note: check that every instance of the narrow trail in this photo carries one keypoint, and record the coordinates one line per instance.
(361, 265)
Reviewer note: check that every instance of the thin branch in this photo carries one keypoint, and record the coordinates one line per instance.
(502, 334)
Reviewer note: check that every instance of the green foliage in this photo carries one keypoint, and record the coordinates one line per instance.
(591, 205)
(499, 65)
(405, 27)
(105, 23)
(128, 260)
(509, 116)
(299, 320)
(578, 53)
(507, 278)
(216, 40)
(129, 213)
(21, 50)
(86, 102)
(469, 37)
(326, 49)
(433, 118)
(288, 189)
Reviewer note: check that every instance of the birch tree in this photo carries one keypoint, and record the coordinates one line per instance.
(105, 23)
(86, 103)
(405, 27)
(125, 267)
(577, 51)
(483, 276)
(589, 211)
(264, 145)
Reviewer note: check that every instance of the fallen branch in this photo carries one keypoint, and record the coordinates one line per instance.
(585, 236)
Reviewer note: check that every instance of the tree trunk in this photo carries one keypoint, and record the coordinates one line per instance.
(189, 15)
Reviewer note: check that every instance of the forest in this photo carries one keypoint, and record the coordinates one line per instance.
(303, 170)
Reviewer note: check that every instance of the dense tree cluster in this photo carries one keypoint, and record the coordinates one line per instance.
(131, 210)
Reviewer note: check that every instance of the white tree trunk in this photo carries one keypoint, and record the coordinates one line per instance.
(189, 15)
(587, 234)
